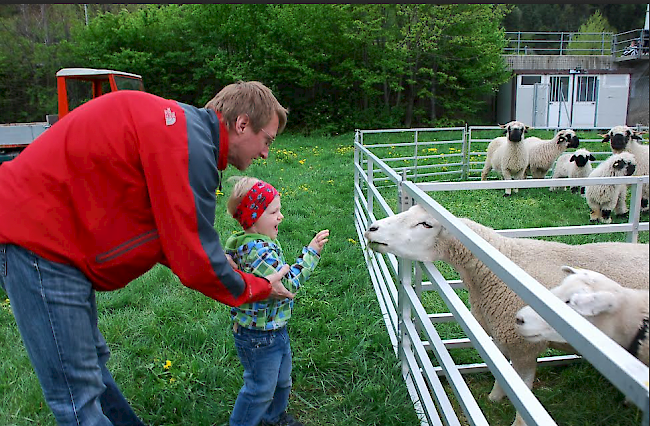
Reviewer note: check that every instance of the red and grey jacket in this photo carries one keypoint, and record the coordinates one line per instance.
(121, 183)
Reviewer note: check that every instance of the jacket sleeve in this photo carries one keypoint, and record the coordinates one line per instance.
(178, 154)
(266, 259)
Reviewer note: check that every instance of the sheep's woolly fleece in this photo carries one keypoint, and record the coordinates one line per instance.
(415, 234)
(507, 154)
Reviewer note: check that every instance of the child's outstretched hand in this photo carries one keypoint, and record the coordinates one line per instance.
(319, 240)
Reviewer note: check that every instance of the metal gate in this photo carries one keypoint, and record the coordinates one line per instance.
(398, 285)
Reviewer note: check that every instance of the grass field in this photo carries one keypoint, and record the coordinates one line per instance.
(173, 355)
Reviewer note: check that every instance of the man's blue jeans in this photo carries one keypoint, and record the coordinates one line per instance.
(55, 310)
(266, 358)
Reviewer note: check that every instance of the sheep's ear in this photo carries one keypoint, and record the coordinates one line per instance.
(605, 137)
(591, 157)
(503, 126)
(573, 158)
(569, 270)
(636, 136)
(618, 164)
(529, 128)
(591, 304)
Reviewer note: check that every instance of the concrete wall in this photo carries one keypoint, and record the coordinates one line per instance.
(638, 105)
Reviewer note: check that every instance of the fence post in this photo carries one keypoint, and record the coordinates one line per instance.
(404, 200)
(465, 172)
(635, 212)
(404, 277)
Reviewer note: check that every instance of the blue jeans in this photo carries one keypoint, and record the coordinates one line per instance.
(266, 358)
(55, 310)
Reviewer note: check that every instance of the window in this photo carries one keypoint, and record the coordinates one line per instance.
(530, 80)
(559, 89)
(586, 91)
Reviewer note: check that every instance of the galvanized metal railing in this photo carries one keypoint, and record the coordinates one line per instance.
(399, 283)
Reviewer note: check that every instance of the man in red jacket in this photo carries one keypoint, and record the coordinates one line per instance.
(123, 182)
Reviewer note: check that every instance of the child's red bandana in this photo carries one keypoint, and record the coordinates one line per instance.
(254, 203)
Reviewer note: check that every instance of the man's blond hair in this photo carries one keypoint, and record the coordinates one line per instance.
(252, 98)
(243, 184)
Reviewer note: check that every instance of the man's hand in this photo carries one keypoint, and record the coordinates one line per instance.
(278, 291)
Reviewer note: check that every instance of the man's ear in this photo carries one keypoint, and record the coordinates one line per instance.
(242, 121)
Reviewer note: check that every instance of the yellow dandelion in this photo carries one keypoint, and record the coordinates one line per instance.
(302, 161)
(219, 193)
(352, 241)
(172, 380)
(167, 365)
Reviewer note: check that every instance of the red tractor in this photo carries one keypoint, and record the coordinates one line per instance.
(74, 86)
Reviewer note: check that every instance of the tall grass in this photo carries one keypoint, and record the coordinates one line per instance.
(345, 371)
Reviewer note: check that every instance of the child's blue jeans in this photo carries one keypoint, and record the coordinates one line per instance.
(266, 358)
(55, 310)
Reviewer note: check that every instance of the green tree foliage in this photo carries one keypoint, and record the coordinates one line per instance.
(336, 66)
(590, 38)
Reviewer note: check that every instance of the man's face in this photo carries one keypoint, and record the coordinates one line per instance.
(246, 145)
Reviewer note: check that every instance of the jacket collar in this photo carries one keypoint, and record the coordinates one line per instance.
(224, 142)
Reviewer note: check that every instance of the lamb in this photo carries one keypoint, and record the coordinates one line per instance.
(507, 154)
(543, 152)
(573, 165)
(619, 312)
(602, 199)
(622, 138)
(415, 234)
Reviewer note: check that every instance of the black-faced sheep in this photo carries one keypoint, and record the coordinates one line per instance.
(507, 154)
(573, 165)
(622, 138)
(415, 234)
(543, 152)
(603, 199)
(619, 312)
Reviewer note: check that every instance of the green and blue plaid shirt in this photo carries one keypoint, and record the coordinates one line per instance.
(261, 255)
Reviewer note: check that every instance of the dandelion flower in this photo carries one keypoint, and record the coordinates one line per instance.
(352, 241)
(167, 365)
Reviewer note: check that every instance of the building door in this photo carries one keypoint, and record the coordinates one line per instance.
(540, 105)
(586, 99)
(559, 104)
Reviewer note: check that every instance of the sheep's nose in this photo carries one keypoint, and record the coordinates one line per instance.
(519, 320)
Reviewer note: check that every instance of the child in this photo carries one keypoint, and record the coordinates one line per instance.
(259, 328)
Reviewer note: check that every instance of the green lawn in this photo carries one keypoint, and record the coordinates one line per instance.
(173, 354)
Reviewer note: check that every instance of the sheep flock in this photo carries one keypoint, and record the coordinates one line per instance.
(416, 235)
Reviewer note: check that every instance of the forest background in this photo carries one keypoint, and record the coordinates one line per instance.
(336, 67)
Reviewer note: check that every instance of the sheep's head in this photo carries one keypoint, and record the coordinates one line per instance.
(410, 234)
(619, 136)
(623, 164)
(581, 157)
(568, 137)
(589, 293)
(515, 130)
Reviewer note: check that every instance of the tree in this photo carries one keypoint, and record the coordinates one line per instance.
(592, 37)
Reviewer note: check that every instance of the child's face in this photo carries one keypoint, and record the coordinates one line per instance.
(268, 223)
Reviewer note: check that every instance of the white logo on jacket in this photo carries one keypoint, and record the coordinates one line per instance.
(170, 117)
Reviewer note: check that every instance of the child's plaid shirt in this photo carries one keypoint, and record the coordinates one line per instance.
(260, 255)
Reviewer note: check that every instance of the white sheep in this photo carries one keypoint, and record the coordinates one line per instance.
(573, 165)
(415, 234)
(605, 198)
(507, 154)
(543, 152)
(619, 312)
(622, 138)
